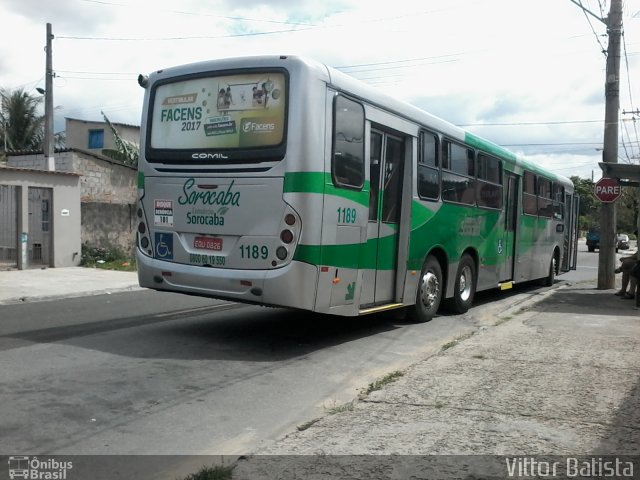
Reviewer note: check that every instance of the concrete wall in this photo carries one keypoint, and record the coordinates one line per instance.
(109, 225)
(65, 211)
(107, 188)
(103, 179)
(63, 161)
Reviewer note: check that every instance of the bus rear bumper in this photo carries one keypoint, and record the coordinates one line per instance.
(293, 285)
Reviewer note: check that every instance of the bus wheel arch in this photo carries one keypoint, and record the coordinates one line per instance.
(465, 283)
(431, 288)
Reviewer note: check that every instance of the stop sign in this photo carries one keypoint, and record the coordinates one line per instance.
(607, 190)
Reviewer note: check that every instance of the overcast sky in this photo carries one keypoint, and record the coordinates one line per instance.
(528, 75)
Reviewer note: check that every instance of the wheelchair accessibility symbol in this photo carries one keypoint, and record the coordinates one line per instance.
(164, 245)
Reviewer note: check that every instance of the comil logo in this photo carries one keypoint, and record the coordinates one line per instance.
(38, 469)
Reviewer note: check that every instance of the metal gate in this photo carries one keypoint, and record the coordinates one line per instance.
(40, 200)
(8, 226)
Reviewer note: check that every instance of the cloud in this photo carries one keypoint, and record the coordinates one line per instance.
(518, 65)
(503, 107)
(74, 17)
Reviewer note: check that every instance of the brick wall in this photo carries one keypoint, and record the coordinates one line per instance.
(105, 182)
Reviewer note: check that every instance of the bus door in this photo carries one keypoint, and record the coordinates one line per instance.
(511, 226)
(386, 158)
(570, 245)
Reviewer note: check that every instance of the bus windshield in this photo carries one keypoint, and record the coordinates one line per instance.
(212, 113)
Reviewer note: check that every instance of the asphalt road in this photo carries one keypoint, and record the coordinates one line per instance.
(151, 373)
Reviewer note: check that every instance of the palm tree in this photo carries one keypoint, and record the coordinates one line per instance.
(21, 126)
(126, 151)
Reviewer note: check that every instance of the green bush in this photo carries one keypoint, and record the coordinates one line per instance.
(107, 258)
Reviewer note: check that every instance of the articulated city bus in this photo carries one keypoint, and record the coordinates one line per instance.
(280, 181)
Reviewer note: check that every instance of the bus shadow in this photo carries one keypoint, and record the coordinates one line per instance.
(496, 299)
(271, 334)
(240, 333)
(247, 333)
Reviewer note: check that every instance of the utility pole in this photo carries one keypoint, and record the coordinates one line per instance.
(48, 147)
(608, 220)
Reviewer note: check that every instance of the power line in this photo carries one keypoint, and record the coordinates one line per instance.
(196, 37)
(626, 58)
(201, 14)
(586, 14)
(548, 144)
(510, 124)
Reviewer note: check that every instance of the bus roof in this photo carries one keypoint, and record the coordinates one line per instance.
(359, 89)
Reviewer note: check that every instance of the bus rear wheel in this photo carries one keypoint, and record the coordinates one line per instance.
(465, 287)
(551, 275)
(429, 292)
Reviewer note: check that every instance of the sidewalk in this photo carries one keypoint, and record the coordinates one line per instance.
(556, 377)
(18, 286)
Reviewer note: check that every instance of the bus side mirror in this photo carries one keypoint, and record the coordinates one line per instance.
(143, 80)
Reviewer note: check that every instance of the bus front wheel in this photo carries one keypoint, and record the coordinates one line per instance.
(465, 286)
(429, 292)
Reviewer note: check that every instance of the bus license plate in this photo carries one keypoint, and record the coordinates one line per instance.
(208, 243)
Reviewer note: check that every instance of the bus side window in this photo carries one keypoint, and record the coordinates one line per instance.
(347, 165)
(529, 199)
(375, 155)
(428, 172)
(558, 202)
(489, 173)
(458, 183)
(545, 203)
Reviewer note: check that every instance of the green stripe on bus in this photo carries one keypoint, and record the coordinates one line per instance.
(372, 254)
(320, 182)
(482, 144)
(140, 180)
(420, 215)
(485, 145)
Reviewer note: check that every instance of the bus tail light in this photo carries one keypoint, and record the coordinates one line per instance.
(281, 253)
(144, 242)
(286, 236)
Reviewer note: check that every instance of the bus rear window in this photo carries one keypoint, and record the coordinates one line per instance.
(211, 113)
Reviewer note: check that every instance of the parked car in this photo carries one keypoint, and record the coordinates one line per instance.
(593, 239)
(622, 242)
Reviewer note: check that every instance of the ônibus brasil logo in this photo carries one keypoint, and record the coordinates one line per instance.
(33, 468)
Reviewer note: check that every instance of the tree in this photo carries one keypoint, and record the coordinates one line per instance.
(627, 211)
(126, 152)
(589, 205)
(20, 123)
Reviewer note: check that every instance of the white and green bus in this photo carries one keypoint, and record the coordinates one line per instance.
(280, 181)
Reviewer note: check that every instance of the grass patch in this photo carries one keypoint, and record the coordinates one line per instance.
(456, 341)
(106, 259)
(345, 407)
(378, 384)
(218, 472)
(439, 405)
(304, 426)
(502, 320)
